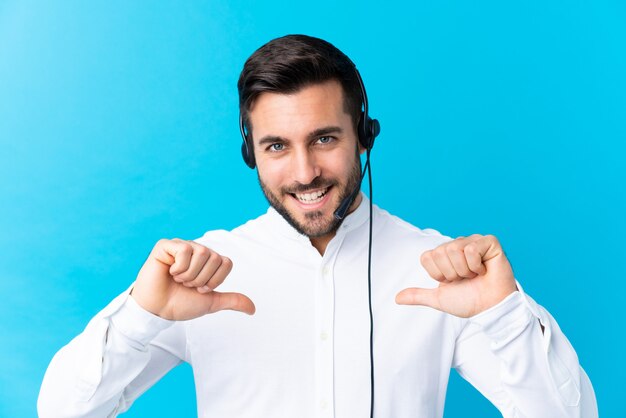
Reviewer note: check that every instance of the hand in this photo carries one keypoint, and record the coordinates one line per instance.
(178, 279)
(473, 275)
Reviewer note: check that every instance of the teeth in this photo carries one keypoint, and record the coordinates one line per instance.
(311, 197)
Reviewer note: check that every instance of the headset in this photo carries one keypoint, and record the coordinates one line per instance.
(367, 131)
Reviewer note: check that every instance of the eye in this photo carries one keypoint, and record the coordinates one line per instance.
(276, 147)
(325, 139)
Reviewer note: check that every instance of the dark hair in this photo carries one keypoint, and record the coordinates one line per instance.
(288, 64)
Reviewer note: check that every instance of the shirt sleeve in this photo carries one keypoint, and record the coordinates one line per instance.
(121, 353)
(524, 370)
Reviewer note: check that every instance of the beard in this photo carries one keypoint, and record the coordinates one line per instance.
(315, 223)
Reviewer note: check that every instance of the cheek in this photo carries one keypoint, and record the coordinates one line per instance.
(342, 167)
(272, 175)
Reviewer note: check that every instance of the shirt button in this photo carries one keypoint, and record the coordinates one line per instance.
(324, 404)
(323, 336)
(326, 270)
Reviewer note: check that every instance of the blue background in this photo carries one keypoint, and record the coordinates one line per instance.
(118, 126)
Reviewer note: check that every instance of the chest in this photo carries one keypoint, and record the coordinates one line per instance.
(306, 350)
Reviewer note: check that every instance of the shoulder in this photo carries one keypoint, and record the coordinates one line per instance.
(249, 231)
(399, 231)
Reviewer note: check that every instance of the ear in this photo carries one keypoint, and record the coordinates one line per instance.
(361, 148)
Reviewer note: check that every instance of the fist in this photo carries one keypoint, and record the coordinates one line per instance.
(473, 274)
(179, 278)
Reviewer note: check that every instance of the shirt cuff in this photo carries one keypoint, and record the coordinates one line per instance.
(137, 324)
(499, 320)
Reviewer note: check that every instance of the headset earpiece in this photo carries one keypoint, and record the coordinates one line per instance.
(246, 152)
(368, 128)
(374, 129)
(248, 157)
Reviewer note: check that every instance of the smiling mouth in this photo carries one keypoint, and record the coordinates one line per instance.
(311, 197)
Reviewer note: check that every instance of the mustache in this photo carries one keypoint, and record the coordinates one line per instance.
(317, 183)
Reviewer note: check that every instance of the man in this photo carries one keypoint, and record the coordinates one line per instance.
(306, 351)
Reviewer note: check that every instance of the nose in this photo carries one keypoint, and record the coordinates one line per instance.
(304, 167)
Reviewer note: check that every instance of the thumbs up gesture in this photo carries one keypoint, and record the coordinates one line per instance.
(178, 282)
(473, 274)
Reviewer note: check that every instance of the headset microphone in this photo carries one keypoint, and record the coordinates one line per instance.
(341, 211)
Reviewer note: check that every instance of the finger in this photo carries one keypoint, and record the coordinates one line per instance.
(431, 268)
(231, 301)
(218, 277)
(459, 263)
(174, 253)
(206, 270)
(209, 270)
(164, 251)
(200, 257)
(182, 261)
(488, 247)
(474, 237)
(418, 296)
(443, 263)
(474, 260)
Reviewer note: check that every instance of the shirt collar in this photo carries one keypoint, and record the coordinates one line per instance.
(350, 222)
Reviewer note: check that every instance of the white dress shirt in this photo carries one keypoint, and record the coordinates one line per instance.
(305, 353)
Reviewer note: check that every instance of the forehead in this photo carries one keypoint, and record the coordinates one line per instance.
(299, 113)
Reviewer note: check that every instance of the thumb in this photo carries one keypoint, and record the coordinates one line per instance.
(233, 302)
(418, 296)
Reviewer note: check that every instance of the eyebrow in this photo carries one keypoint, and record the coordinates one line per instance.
(271, 139)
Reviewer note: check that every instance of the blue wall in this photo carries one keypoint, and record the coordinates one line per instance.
(118, 126)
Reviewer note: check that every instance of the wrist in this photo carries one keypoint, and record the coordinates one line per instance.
(136, 323)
